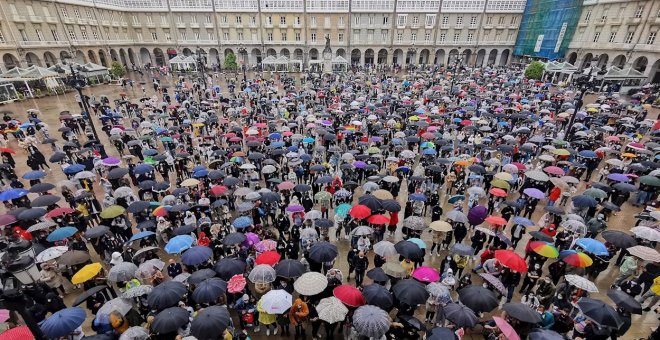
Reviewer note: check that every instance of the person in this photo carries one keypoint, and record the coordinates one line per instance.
(531, 278)
(408, 266)
(174, 268)
(627, 268)
(363, 244)
(547, 319)
(510, 279)
(653, 293)
(298, 314)
(361, 264)
(50, 276)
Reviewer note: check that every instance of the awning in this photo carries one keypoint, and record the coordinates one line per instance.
(171, 51)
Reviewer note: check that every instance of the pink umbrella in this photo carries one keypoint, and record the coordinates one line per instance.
(554, 170)
(506, 328)
(4, 315)
(236, 283)
(426, 274)
(251, 239)
(285, 185)
(265, 245)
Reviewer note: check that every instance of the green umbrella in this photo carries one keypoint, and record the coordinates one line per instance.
(650, 180)
(166, 139)
(112, 211)
(323, 196)
(595, 193)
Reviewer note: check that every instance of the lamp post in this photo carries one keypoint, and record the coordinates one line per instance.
(411, 54)
(77, 81)
(243, 52)
(201, 64)
(584, 83)
(458, 59)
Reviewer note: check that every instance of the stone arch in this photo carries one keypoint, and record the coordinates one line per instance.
(439, 58)
(102, 58)
(313, 54)
(213, 56)
(492, 57)
(64, 55)
(243, 58)
(586, 61)
(341, 52)
(356, 55)
(271, 52)
(654, 72)
(504, 58)
(369, 55)
(572, 58)
(80, 57)
(229, 51)
(49, 59)
(467, 56)
(453, 54)
(187, 52)
(256, 55)
(619, 61)
(640, 64)
(382, 56)
(10, 61)
(410, 56)
(397, 56)
(122, 56)
(131, 56)
(113, 55)
(32, 59)
(286, 53)
(145, 56)
(424, 56)
(602, 60)
(481, 56)
(159, 56)
(298, 54)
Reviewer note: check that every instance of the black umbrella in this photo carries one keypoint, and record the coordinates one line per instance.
(302, 187)
(541, 236)
(377, 295)
(323, 223)
(478, 298)
(414, 322)
(228, 267)
(57, 157)
(230, 181)
(44, 201)
(584, 201)
(323, 251)
(87, 294)
(210, 323)
(179, 208)
(601, 313)
(460, 315)
(441, 333)
(270, 197)
(409, 250)
(625, 301)
(555, 209)
(619, 238)
(391, 205)
(544, 334)
(378, 275)
(371, 201)
(117, 173)
(522, 312)
(31, 214)
(42, 187)
(201, 275)
(289, 268)
(410, 292)
(185, 229)
(96, 232)
(138, 206)
(234, 238)
(166, 294)
(209, 290)
(169, 320)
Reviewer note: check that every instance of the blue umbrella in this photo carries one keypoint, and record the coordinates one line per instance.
(61, 233)
(277, 145)
(142, 169)
(587, 154)
(200, 173)
(429, 151)
(308, 140)
(524, 221)
(150, 152)
(242, 222)
(198, 168)
(293, 148)
(275, 135)
(306, 157)
(417, 197)
(196, 255)
(456, 198)
(178, 244)
(63, 322)
(25, 125)
(583, 201)
(421, 244)
(12, 194)
(74, 169)
(37, 174)
(141, 235)
(592, 246)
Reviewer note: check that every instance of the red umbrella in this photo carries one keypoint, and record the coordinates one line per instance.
(360, 211)
(520, 166)
(17, 333)
(511, 260)
(497, 192)
(218, 190)
(378, 219)
(498, 220)
(269, 257)
(349, 295)
(59, 212)
(7, 150)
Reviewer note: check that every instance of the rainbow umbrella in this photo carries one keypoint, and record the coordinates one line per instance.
(544, 249)
(426, 274)
(160, 211)
(576, 259)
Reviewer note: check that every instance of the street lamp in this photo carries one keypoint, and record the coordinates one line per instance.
(583, 83)
(242, 51)
(77, 81)
(201, 64)
(458, 59)
(411, 54)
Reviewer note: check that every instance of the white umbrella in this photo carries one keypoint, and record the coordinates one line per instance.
(84, 175)
(645, 253)
(41, 226)
(122, 192)
(310, 283)
(647, 233)
(331, 310)
(135, 333)
(581, 282)
(268, 169)
(51, 253)
(276, 301)
(385, 249)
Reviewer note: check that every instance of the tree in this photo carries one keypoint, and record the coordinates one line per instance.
(230, 62)
(535, 70)
(117, 70)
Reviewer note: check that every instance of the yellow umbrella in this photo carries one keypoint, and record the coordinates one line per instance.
(112, 211)
(560, 152)
(629, 155)
(190, 182)
(86, 273)
(505, 176)
(198, 124)
(498, 183)
(592, 109)
(440, 226)
(413, 118)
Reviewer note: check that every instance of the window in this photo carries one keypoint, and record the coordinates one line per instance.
(340, 37)
(72, 34)
(401, 20)
(514, 20)
(370, 35)
(596, 36)
(443, 37)
(629, 37)
(457, 36)
(638, 13)
(386, 19)
(64, 12)
(239, 35)
(459, 20)
(24, 36)
(612, 37)
(357, 20)
(95, 34)
(500, 21)
(283, 36)
(445, 20)
(239, 20)
(136, 21)
(651, 38)
(384, 34)
(2, 38)
(182, 35)
(282, 20)
(139, 36)
(430, 20)
(372, 19)
(76, 12)
(413, 37)
(83, 34)
(150, 20)
(399, 37)
(489, 20)
(415, 21)
(312, 21)
(297, 21)
(356, 36)
(225, 36)
(341, 21)
(269, 20)
(163, 20)
(154, 36)
(193, 19)
(427, 37)
(89, 14)
(179, 18)
(587, 17)
(470, 37)
(168, 36)
(46, 11)
(298, 36)
(313, 37)
(473, 21)
(56, 36)
(253, 20)
(498, 37)
(40, 34)
(196, 35)
(326, 22)
(30, 10)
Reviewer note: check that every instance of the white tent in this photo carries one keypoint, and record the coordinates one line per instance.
(182, 63)
(34, 74)
(340, 64)
(90, 71)
(628, 77)
(269, 63)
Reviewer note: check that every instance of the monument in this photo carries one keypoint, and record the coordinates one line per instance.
(327, 56)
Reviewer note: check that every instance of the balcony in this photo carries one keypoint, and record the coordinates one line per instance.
(83, 43)
(105, 22)
(124, 24)
(150, 25)
(38, 43)
(82, 21)
(92, 22)
(19, 18)
(488, 26)
(283, 25)
(600, 22)
(583, 23)
(36, 18)
(67, 20)
(209, 25)
(458, 26)
(194, 25)
(136, 24)
(116, 23)
(633, 21)
(120, 42)
(51, 20)
(616, 21)
(180, 25)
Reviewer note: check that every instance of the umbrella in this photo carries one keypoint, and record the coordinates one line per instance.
(98, 231)
(63, 322)
(494, 281)
(592, 246)
(289, 268)
(276, 301)
(378, 296)
(414, 222)
(575, 259)
(323, 251)
(360, 211)
(600, 312)
(331, 310)
(112, 211)
(51, 253)
(210, 323)
(262, 273)
(135, 333)
(371, 321)
(544, 334)
(646, 233)
(438, 226)
(377, 274)
(166, 294)
(441, 333)
(201, 275)
(61, 234)
(234, 238)
(619, 238)
(120, 305)
(178, 244)
(209, 290)
(74, 257)
(310, 283)
(457, 216)
(645, 253)
(544, 249)
(236, 284)
(478, 298)
(229, 266)
(137, 291)
(426, 274)
(541, 236)
(123, 271)
(44, 201)
(534, 193)
(460, 315)
(409, 250)
(394, 269)
(349, 295)
(508, 258)
(584, 201)
(506, 328)
(268, 257)
(410, 292)
(625, 301)
(522, 312)
(86, 273)
(385, 249)
(86, 294)
(170, 319)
